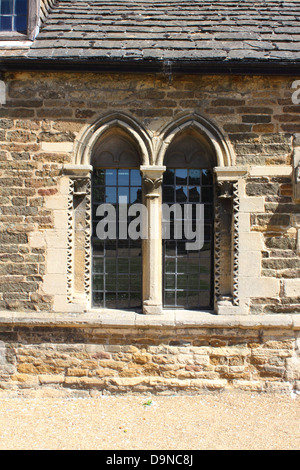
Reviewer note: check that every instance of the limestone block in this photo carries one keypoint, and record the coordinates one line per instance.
(259, 287)
(61, 147)
(56, 239)
(51, 379)
(56, 261)
(60, 219)
(244, 223)
(64, 184)
(293, 368)
(292, 287)
(250, 264)
(61, 304)
(251, 242)
(55, 284)
(208, 384)
(247, 385)
(57, 202)
(252, 204)
(37, 240)
(271, 170)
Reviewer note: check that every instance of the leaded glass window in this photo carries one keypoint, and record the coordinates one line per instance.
(14, 15)
(187, 279)
(117, 263)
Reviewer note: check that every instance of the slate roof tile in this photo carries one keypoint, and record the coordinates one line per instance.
(191, 30)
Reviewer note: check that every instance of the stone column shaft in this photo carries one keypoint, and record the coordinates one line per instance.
(152, 245)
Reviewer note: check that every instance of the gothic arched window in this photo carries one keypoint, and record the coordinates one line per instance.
(188, 183)
(116, 258)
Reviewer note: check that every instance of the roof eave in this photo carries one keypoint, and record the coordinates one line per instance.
(167, 67)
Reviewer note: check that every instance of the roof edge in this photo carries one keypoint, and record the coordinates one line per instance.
(166, 67)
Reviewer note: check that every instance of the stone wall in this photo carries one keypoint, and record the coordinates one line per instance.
(70, 357)
(45, 115)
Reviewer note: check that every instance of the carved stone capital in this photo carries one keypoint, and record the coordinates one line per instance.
(81, 177)
(152, 179)
(225, 190)
(77, 171)
(230, 173)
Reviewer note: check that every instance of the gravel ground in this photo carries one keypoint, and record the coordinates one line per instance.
(225, 421)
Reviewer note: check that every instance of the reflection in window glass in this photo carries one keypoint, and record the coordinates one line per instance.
(123, 177)
(188, 274)
(117, 264)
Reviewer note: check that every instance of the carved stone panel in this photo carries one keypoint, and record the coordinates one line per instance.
(226, 241)
(79, 234)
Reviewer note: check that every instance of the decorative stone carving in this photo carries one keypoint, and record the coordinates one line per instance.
(87, 240)
(224, 190)
(217, 273)
(78, 274)
(226, 213)
(152, 184)
(227, 223)
(70, 242)
(235, 242)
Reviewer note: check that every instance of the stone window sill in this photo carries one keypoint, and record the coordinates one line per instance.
(11, 44)
(170, 318)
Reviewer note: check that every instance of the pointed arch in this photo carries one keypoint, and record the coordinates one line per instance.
(221, 150)
(94, 132)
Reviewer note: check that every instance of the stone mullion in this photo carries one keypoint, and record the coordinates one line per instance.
(152, 245)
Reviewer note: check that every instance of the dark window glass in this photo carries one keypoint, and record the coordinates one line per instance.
(6, 23)
(13, 15)
(6, 7)
(21, 7)
(20, 24)
(188, 275)
(117, 264)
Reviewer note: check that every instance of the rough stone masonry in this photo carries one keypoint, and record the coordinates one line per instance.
(43, 116)
(224, 73)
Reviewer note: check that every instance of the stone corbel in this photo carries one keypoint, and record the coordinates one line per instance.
(152, 179)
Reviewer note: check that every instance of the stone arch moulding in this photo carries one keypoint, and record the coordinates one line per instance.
(224, 152)
(94, 132)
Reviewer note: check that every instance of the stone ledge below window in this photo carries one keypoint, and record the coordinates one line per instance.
(172, 319)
